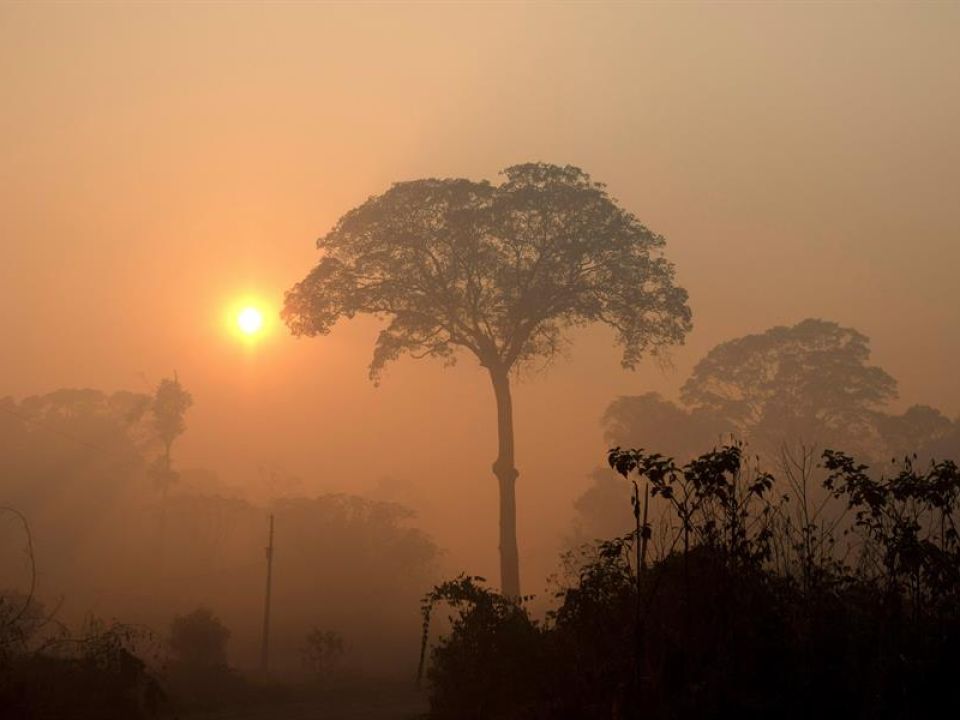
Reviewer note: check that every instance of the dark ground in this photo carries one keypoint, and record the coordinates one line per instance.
(403, 703)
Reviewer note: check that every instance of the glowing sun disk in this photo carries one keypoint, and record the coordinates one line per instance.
(250, 321)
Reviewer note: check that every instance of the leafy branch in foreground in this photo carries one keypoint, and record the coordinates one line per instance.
(745, 613)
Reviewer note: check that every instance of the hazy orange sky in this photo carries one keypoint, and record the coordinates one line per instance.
(161, 160)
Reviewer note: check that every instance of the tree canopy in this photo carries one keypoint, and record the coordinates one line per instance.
(499, 270)
(170, 404)
(792, 382)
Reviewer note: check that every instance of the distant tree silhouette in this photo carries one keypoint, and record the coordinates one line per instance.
(500, 271)
(602, 510)
(946, 445)
(788, 389)
(649, 420)
(199, 639)
(349, 564)
(80, 447)
(800, 382)
(170, 404)
(920, 428)
(321, 653)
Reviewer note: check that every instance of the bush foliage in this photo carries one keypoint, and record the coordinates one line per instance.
(759, 602)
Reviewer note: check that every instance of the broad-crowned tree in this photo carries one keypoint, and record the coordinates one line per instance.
(499, 271)
(810, 382)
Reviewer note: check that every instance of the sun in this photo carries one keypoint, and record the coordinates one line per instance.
(250, 321)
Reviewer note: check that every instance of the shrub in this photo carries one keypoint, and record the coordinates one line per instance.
(726, 622)
(199, 639)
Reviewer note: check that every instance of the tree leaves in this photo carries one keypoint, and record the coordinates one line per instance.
(500, 271)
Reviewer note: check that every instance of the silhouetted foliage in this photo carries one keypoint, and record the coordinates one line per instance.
(750, 611)
(489, 664)
(500, 271)
(909, 526)
(47, 672)
(198, 675)
(97, 675)
(21, 615)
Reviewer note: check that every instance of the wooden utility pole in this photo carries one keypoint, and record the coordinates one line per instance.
(265, 647)
(646, 531)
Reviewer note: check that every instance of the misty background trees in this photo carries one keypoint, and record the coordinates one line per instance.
(499, 271)
(785, 392)
(80, 465)
(163, 165)
(805, 383)
(169, 407)
(86, 466)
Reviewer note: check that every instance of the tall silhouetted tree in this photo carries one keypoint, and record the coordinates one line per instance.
(798, 382)
(497, 270)
(170, 404)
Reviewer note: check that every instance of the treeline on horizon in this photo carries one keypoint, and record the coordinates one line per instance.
(784, 392)
(109, 547)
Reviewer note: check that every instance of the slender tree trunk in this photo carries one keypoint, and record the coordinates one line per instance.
(506, 474)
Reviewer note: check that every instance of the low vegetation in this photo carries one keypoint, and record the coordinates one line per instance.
(764, 597)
